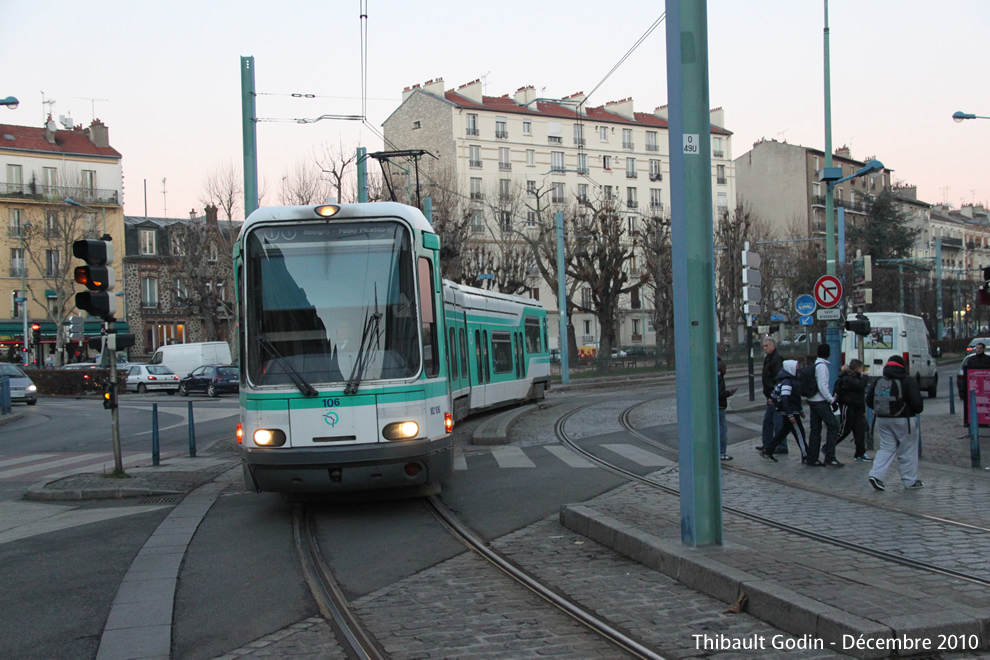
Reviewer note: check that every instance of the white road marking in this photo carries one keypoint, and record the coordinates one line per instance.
(639, 456)
(512, 457)
(569, 457)
(21, 520)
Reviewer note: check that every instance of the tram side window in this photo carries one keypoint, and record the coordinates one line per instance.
(533, 336)
(464, 353)
(502, 352)
(484, 355)
(452, 353)
(431, 366)
(479, 358)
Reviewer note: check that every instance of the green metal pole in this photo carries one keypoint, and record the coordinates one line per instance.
(938, 287)
(833, 330)
(565, 376)
(249, 131)
(362, 175)
(694, 271)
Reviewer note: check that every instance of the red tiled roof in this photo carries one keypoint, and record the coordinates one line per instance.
(29, 138)
(508, 104)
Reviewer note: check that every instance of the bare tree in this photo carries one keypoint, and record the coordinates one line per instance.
(336, 164)
(657, 248)
(224, 189)
(732, 230)
(302, 186)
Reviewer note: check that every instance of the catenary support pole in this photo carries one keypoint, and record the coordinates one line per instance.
(694, 271)
(565, 377)
(249, 132)
(362, 175)
(833, 331)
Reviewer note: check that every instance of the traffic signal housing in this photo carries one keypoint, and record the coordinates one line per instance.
(859, 325)
(77, 328)
(109, 395)
(36, 333)
(97, 276)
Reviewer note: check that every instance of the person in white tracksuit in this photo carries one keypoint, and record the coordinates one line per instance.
(897, 437)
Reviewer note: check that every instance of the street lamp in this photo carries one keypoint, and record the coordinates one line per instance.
(23, 298)
(10, 102)
(959, 116)
(72, 202)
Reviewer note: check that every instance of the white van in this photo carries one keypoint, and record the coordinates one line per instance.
(895, 334)
(183, 358)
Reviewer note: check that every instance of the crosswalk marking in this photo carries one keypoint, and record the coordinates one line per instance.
(569, 457)
(460, 463)
(104, 458)
(20, 520)
(47, 465)
(24, 459)
(26, 467)
(639, 456)
(512, 457)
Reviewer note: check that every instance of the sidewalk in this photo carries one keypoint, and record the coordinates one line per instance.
(854, 603)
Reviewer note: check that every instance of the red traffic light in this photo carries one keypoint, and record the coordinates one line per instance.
(35, 326)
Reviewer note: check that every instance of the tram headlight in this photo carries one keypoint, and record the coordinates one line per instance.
(400, 430)
(269, 438)
(327, 210)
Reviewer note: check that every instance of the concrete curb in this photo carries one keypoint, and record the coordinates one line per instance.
(495, 429)
(12, 417)
(39, 493)
(702, 570)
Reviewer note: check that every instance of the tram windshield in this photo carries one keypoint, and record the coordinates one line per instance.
(329, 303)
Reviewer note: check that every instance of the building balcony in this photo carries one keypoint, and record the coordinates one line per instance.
(582, 170)
(718, 154)
(628, 145)
(475, 163)
(952, 242)
(633, 204)
(653, 147)
(656, 206)
(555, 199)
(557, 169)
(579, 142)
(632, 175)
(817, 200)
(656, 176)
(501, 135)
(17, 271)
(472, 131)
(35, 191)
(720, 180)
(476, 196)
(505, 166)
(555, 139)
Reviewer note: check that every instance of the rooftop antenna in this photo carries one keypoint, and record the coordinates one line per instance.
(92, 105)
(46, 111)
(783, 135)
(164, 198)
(484, 82)
(945, 195)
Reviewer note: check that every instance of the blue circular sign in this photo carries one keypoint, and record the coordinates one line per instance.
(805, 305)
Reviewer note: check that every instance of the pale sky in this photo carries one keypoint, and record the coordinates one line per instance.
(169, 74)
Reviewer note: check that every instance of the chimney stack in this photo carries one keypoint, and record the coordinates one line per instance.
(211, 215)
(98, 134)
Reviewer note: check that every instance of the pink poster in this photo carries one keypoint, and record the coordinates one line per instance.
(979, 380)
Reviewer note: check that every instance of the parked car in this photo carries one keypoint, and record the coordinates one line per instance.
(214, 379)
(146, 377)
(21, 387)
(183, 358)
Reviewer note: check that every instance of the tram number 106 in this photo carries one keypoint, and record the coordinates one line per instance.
(330, 403)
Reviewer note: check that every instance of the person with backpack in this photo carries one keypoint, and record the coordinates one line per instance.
(786, 397)
(822, 405)
(895, 399)
(723, 403)
(850, 392)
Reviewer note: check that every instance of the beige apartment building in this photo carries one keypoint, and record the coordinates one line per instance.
(503, 144)
(41, 168)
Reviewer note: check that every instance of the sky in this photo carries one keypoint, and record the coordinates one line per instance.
(166, 76)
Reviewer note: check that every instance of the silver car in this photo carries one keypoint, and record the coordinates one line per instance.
(21, 387)
(148, 377)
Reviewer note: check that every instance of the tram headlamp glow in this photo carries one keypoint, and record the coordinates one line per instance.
(400, 430)
(269, 438)
(327, 211)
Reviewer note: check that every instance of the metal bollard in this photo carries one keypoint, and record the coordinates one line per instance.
(6, 405)
(974, 432)
(155, 450)
(952, 399)
(192, 433)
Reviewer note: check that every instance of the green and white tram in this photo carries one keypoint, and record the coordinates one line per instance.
(356, 357)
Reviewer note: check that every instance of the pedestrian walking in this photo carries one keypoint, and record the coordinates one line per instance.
(773, 362)
(786, 398)
(895, 399)
(723, 402)
(822, 407)
(850, 392)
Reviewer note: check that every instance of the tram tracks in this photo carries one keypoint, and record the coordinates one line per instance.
(624, 420)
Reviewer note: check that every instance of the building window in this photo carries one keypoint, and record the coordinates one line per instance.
(51, 225)
(586, 304)
(627, 141)
(656, 198)
(15, 228)
(717, 148)
(51, 263)
(582, 192)
(477, 222)
(656, 174)
(556, 161)
(582, 165)
(474, 155)
(149, 292)
(531, 187)
(530, 157)
(472, 124)
(534, 294)
(603, 133)
(723, 202)
(504, 189)
(501, 128)
(606, 163)
(531, 218)
(475, 187)
(179, 291)
(505, 220)
(527, 127)
(147, 242)
(17, 266)
(557, 193)
(16, 307)
(555, 132)
(651, 141)
(720, 174)
(631, 168)
(417, 125)
(503, 159)
(631, 200)
(579, 134)
(89, 182)
(587, 328)
(607, 192)
(15, 179)
(214, 254)
(49, 180)
(632, 224)
(635, 304)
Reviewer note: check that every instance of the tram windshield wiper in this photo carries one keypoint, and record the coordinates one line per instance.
(290, 371)
(369, 342)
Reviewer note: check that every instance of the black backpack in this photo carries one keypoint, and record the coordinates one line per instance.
(888, 398)
(807, 383)
(777, 396)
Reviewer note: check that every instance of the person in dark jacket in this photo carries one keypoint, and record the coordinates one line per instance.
(850, 392)
(978, 359)
(789, 407)
(773, 362)
(895, 433)
(723, 402)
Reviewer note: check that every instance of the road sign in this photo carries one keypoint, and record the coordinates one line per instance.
(828, 291)
(807, 320)
(863, 297)
(805, 305)
(862, 270)
(829, 315)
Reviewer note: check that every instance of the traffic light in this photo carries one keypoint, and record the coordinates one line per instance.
(36, 333)
(859, 325)
(77, 328)
(96, 276)
(109, 395)
(119, 341)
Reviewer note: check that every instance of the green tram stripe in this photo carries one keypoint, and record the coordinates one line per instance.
(252, 400)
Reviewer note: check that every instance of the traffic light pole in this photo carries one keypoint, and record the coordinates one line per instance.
(118, 463)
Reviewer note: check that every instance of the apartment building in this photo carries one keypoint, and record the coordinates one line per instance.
(504, 145)
(42, 167)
